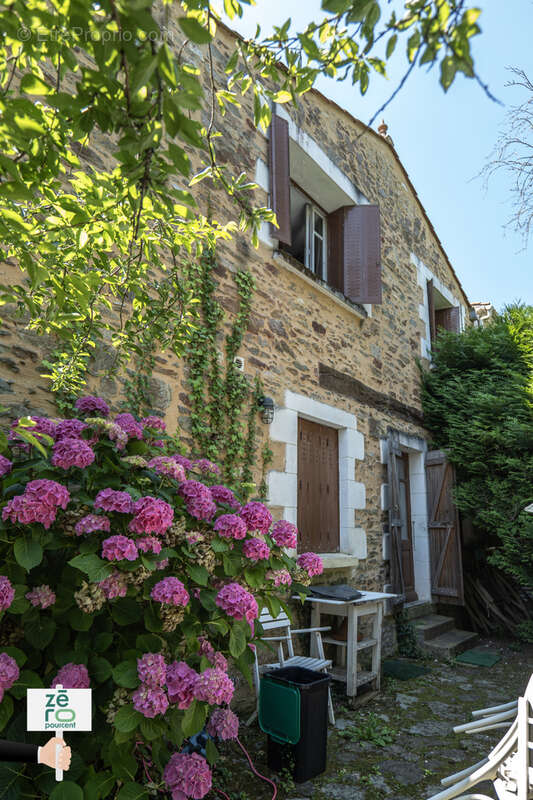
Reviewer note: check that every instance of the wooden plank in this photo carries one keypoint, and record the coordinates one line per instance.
(444, 531)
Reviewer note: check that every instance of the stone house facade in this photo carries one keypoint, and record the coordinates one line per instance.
(350, 290)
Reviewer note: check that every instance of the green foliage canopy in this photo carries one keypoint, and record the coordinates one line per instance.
(478, 405)
(102, 245)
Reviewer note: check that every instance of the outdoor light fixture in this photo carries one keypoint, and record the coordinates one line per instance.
(266, 405)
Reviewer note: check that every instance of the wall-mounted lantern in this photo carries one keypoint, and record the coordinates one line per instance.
(266, 404)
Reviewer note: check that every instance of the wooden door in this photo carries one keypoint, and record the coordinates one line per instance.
(318, 488)
(444, 531)
(400, 525)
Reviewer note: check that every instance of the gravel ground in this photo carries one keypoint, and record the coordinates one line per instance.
(400, 744)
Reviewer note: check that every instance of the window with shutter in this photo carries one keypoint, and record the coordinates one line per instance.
(442, 315)
(318, 488)
(448, 318)
(354, 253)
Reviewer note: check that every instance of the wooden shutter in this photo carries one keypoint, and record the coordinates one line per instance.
(354, 253)
(448, 318)
(280, 197)
(431, 310)
(318, 488)
(395, 515)
(443, 531)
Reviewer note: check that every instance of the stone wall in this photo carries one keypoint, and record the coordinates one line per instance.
(298, 328)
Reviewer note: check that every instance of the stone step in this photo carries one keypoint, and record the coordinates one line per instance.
(432, 625)
(451, 643)
(420, 608)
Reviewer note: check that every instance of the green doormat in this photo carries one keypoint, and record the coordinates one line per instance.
(479, 658)
(402, 670)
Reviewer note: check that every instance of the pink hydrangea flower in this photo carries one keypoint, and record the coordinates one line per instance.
(117, 548)
(163, 564)
(72, 676)
(256, 549)
(223, 724)
(118, 435)
(114, 586)
(181, 680)
(72, 453)
(152, 515)
(42, 425)
(158, 443)
(188, 775)
(9, 672)
(149, 544)
(91, 523)
(111, 500)
(285, 534)
(70, 429)
(214, 687)
(90, 404)
(150, 701)
(257, 517)
(41, 596)
(152, 670)
(220, 661)
(156, 423)
(193, 537)
(170, 591)
(129, 424)
(230, 526)
(198, 500)
(185, 462)
(165, 465)
(38, 503)
(237, 602)
(206, 466)
(221, 494)
(311, 563)
(5, 466)
(7, 593)
(280, 577)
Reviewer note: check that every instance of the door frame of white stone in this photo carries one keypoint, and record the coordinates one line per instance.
(416, 447)
(283, 485)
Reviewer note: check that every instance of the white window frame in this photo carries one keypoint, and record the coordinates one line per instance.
(311, 213)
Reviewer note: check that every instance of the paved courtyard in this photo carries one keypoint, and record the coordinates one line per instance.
(400, 744)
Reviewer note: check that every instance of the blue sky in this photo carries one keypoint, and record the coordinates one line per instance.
(444, 140)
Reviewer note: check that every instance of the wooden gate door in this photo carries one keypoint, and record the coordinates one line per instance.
(444, 531)
(318, 488)
(402, 561)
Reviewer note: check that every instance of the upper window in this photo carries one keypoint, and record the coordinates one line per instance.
(442, 315)
(318, 222)
(308, 233)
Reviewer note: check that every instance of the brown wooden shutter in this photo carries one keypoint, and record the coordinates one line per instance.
(395, 516)
(443, 531)
(449, 319)
(280, 197)
(431, 310)
(354, 253)
(318, 488)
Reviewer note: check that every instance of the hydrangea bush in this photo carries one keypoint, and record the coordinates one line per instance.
(128, 568)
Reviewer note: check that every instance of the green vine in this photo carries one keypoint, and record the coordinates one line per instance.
(408, 645)
(266, 459)
(221, 429)
(137, 384)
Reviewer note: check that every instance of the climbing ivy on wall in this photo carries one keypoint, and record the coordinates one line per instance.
(223, 405)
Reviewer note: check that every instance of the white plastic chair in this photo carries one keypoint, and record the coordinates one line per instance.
(508, 765)
(282, 624)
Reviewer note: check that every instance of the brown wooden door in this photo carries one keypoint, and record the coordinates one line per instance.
(318, 488)
(444, 531)
(400, 525)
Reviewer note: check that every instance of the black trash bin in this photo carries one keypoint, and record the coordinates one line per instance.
(293, 711)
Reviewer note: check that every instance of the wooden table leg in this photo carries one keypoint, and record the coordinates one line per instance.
(315, 623)
(351, 653)
(377, 625)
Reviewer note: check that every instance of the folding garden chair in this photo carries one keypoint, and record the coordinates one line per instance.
(510, 764)
(282, 624)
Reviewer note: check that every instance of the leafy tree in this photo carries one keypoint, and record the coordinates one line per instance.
(102, 247)
(478, 405)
